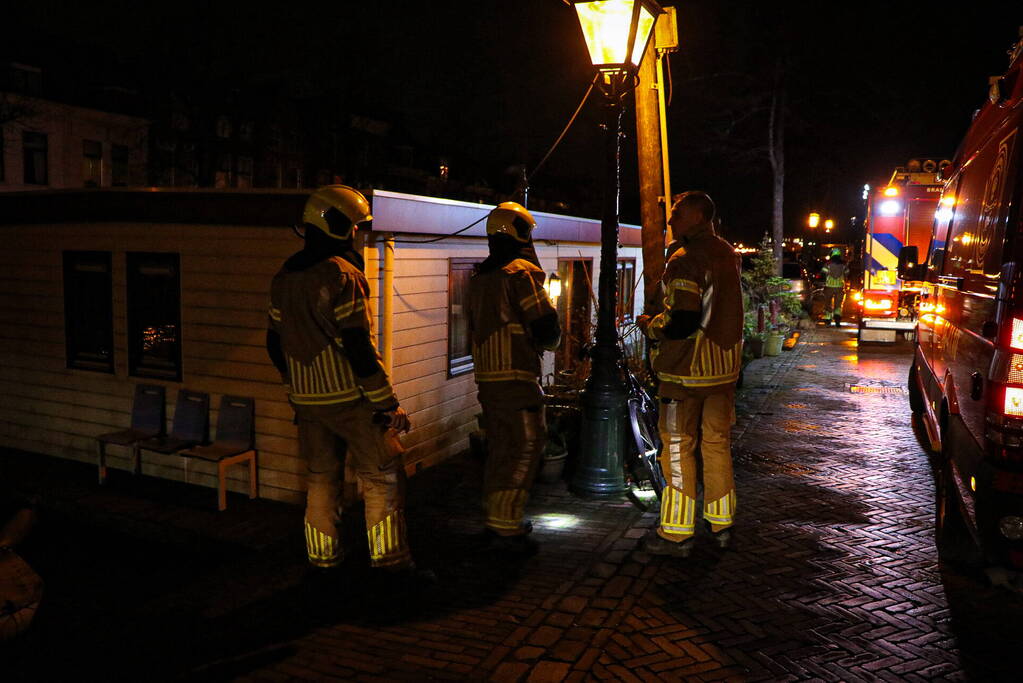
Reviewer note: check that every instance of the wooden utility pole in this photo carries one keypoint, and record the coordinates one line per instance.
(651, 179)
(651, 145)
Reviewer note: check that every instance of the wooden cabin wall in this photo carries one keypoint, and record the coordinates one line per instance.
(47, 408)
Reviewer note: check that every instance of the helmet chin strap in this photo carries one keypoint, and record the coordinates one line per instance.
(294, 229)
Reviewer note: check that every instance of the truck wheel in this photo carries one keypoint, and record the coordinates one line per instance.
(955, 543)
(916, 399)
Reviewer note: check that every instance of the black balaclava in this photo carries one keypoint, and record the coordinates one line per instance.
(318, 247)
(504, 249)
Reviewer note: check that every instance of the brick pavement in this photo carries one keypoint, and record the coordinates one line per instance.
(833, 573)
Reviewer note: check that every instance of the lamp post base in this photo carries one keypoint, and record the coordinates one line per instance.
(600, 472)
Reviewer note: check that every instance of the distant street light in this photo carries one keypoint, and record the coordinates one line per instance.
(829, 225)
(814, 220)
(616, 33)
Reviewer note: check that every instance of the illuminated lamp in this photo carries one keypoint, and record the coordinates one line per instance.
(891, 192)
(553, 286)
(814, 220)
(610, 26)
(890, 208)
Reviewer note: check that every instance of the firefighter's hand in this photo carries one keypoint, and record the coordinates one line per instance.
(396, 419)
(643, 322)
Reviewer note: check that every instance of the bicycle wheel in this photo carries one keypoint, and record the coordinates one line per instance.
(647, 443)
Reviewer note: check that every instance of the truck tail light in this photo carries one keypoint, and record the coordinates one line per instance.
(1004, 429)
(1016, 333)
(1012, 405)
(880, 304)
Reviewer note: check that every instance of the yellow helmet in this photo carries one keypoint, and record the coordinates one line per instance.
(512, 219)
(335, 210)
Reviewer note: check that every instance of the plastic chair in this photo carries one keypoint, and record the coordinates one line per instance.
(148, 417)
(190, 428)
(235, 444)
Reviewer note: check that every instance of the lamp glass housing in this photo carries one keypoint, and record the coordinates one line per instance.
(814, 220)
(605, 25)
(553, 286)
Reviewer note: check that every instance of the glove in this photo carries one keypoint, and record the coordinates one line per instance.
(396, 419)
(643, 321)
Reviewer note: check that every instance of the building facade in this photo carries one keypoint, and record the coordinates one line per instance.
(52, 145)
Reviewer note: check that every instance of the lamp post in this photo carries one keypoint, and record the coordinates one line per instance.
(616, 33)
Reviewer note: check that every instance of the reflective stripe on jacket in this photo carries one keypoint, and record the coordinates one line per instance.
(501, 305)
(701, 276)
(308, 309)
(835, 273)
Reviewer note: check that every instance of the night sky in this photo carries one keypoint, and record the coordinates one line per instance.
(490, 83)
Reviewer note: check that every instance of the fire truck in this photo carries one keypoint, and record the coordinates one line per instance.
(900, 213)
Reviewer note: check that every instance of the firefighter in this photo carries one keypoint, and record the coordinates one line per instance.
(511, 323)
(834, 288)
(320, 339)
(697, 358)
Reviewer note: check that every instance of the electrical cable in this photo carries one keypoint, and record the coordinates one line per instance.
(536, 168)
(443, 237)
(557, 142)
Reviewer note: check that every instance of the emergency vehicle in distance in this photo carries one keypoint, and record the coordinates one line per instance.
(899, 214)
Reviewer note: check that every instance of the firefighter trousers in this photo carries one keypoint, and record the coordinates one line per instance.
(516, 436)
(833, 299)
(704, 420)
(327, 435)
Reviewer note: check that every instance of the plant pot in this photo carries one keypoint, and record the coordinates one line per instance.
(553, 467)
(756, 346)
(772, 345)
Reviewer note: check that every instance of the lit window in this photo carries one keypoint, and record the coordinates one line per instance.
(154, 315)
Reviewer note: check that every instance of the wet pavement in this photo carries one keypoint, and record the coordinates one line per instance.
(833, 573)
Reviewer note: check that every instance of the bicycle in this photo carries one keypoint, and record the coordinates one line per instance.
(642, 470)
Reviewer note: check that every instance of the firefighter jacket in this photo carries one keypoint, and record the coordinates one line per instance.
(503, 303)
(700, 277)
(834, 273)
(312, 309)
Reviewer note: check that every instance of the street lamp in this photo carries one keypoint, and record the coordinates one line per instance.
(829, 225)
(814, 220)
(616, 33)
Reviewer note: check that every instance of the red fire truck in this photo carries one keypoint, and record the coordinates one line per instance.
(899, 214)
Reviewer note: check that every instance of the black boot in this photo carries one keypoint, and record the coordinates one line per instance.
(655, 544)
(519, 545)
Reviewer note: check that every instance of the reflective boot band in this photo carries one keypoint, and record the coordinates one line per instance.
(323, 550)
(505, 509)
(722, 510)
(387, 540)
(678, 513)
